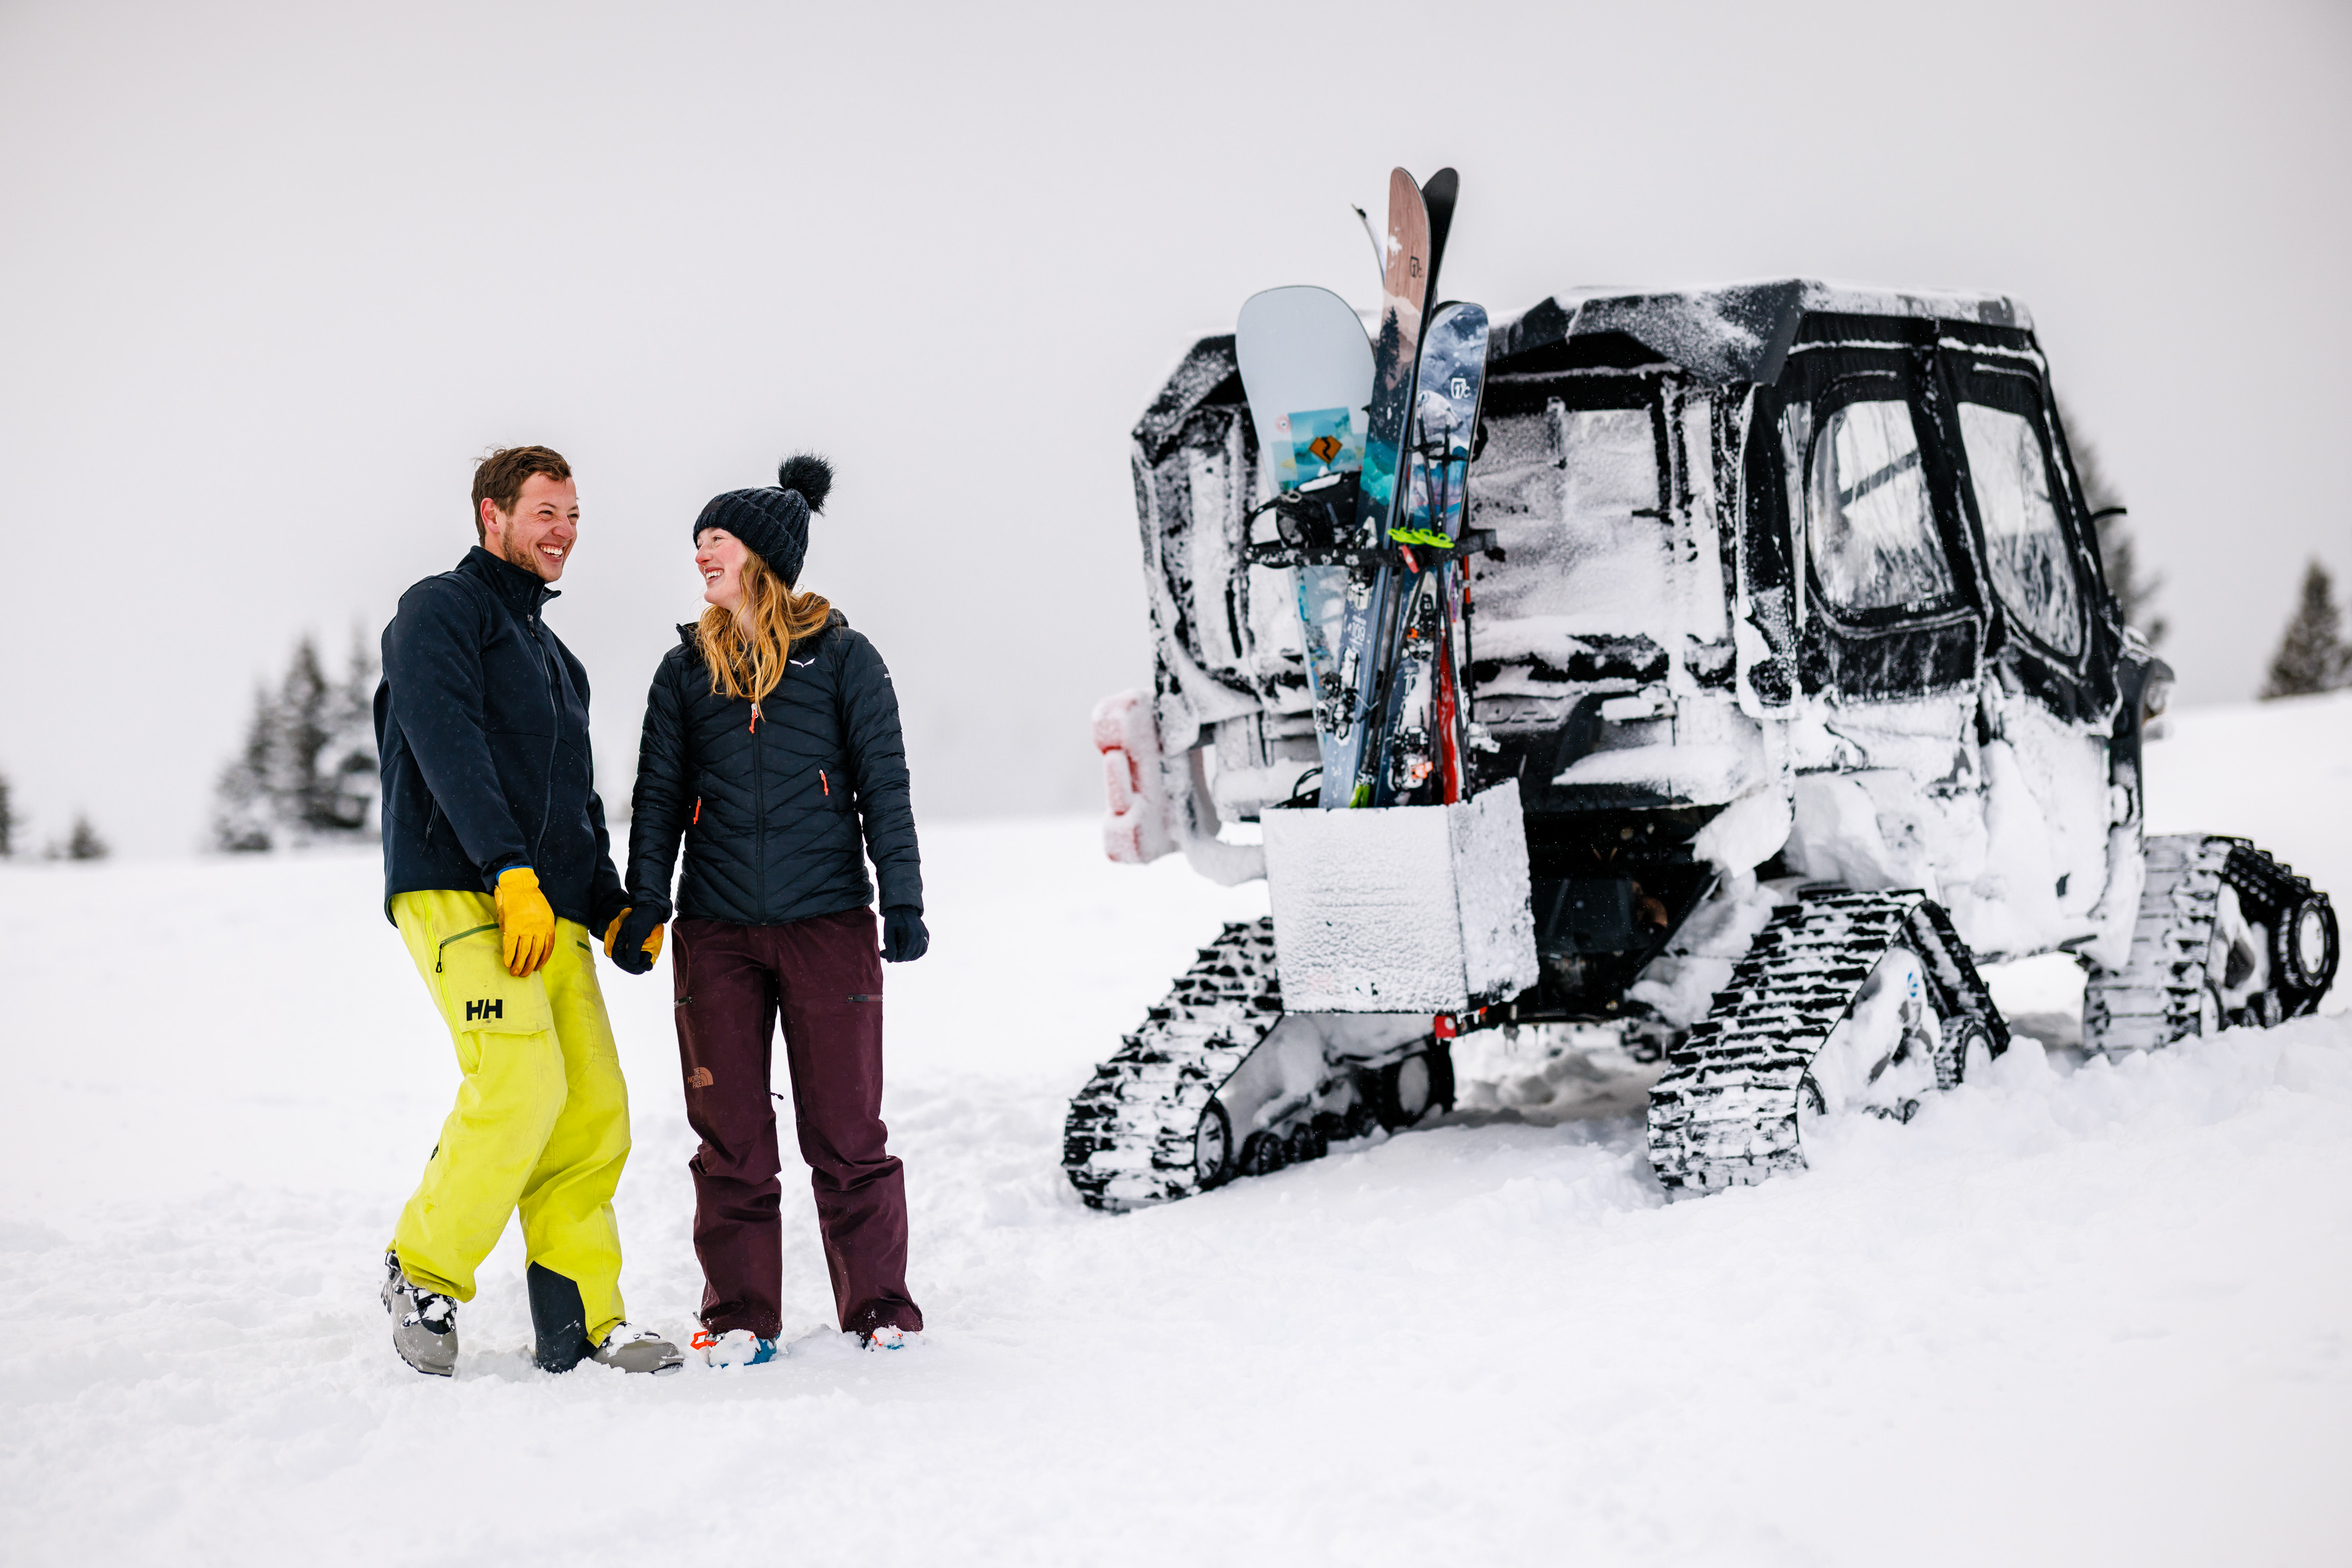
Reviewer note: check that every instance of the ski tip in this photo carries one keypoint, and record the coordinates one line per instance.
(1441, 186)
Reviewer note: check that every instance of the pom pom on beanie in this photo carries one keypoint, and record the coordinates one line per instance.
(810, 474)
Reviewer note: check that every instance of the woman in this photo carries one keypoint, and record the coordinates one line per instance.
(771, 737)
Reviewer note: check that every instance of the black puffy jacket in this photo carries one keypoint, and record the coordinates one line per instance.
(481, 723)
(771, 810)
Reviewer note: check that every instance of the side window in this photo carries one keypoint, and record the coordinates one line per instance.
(2024, 546)
(1870, 529)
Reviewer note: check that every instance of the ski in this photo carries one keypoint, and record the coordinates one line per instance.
(1420, 743)
(1367, 617)
(1437, 197)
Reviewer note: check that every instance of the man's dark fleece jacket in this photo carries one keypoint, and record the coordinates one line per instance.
(482, 725)
(780, 814)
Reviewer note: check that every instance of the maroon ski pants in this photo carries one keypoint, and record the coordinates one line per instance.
(825, 976)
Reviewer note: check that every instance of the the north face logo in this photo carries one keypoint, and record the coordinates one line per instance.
(496, 1007)
(699, 1078)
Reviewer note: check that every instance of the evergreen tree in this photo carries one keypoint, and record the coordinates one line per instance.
(307, 772)
(7, 822)
(352, 778)
(2117, 558)
(243, 816)
(2312, 656)
(85, 844)
(302, 718)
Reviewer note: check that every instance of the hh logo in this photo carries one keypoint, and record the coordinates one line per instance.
(496, 1007)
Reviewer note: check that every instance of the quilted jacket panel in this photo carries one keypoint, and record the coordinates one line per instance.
(778, 815)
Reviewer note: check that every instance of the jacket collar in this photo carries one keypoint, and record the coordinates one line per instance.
(523, 589)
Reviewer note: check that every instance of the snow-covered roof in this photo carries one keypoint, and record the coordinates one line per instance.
(1737, 331)
(1729, 332)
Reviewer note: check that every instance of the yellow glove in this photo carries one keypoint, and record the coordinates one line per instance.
(526, 924)
(640, 949)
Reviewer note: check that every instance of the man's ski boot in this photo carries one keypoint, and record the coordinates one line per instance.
(886, 1336)
(635, 1349)
(735, 1347)
(424, 1323)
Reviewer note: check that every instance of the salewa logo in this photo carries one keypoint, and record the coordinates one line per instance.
(496, 1007)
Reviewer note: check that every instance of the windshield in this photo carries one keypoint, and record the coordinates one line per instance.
(1869, 526)
(2023, 544)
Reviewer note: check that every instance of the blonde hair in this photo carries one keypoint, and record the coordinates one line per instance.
(746, 649)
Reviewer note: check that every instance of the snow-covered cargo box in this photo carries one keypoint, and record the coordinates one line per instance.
(1403, 909)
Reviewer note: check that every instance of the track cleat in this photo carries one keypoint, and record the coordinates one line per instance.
(633, 1349)
(424, 1323)
(735, 1347)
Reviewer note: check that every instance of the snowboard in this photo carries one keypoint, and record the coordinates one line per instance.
(1307, 370)
(1419, 744)
(1369, 605)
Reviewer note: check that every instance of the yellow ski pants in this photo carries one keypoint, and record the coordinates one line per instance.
(542, 1122)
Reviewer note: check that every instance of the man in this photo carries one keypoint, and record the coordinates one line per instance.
(497, 868)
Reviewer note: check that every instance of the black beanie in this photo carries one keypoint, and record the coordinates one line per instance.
(772, 521)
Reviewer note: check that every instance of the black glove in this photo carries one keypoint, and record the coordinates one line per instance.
(904, 940)
(634, 940)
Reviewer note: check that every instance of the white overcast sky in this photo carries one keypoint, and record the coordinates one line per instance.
(272, 277)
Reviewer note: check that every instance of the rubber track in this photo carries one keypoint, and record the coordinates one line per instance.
(1724, 1113)
(1129, 1139)
(2159, 994)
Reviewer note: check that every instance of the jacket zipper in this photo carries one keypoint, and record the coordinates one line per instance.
(760, 812)
(554, 737)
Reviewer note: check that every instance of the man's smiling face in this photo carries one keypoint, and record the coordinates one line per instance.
(539, 534)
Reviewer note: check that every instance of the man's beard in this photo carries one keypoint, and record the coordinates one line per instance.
(526, 557)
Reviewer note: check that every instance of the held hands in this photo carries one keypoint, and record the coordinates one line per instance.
(634, 940)
(526, 923)
(904, 940)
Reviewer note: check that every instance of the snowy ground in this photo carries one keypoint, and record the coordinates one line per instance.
(2070, 1314)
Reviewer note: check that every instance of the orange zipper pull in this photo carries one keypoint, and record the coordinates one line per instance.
(823, 785)
(698, 811)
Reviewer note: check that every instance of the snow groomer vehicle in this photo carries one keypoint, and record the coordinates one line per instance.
(1734, 665)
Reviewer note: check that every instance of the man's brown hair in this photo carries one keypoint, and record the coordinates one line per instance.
(503, 473)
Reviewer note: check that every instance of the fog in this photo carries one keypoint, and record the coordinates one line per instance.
(274, 276)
